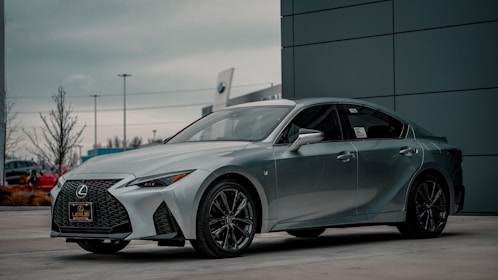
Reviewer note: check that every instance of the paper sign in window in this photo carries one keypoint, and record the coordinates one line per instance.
(360, 132)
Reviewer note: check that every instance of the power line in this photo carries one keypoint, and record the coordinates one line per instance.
(132, 124)
(145, 93)
(128, 109)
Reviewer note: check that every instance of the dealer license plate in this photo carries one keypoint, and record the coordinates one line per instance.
(80, 211)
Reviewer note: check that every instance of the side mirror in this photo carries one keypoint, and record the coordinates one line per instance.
(306, 136)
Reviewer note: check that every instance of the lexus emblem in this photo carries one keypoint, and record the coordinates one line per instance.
(82, 191)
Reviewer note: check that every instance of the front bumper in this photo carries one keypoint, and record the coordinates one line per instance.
(125, 213)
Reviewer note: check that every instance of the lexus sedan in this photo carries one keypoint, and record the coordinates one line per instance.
(298, 166)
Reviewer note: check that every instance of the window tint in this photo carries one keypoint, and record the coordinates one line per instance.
(367, 123)
(322, 118)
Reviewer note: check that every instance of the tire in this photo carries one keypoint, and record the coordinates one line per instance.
(307, 233)
(427, 209)
(226, 221)
(102, 247)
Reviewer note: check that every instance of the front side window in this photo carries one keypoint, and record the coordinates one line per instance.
(323, 118)
(234, 124)
(367, 123)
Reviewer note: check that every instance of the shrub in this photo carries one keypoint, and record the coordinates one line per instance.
(23, 196)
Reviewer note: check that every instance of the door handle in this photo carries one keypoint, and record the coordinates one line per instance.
(345, 156)
(408, 151)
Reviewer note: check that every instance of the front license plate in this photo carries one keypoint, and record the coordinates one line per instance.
(81, 211)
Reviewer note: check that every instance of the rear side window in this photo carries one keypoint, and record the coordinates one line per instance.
(367, 123)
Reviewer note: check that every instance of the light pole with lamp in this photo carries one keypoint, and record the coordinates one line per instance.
(124, 75)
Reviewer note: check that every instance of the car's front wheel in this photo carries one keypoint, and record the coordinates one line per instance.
(103, 246)
(226, 221)
(427, 208)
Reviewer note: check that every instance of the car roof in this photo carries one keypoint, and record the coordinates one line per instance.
(311, 101)
(304, 102)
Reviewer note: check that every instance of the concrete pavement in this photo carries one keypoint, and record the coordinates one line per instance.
(468, 249)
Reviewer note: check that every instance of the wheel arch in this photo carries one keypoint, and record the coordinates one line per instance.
(432, 170)
(248, 181)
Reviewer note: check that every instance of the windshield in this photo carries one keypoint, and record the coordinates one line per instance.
(235, 124)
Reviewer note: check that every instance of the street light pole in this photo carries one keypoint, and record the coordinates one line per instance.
(124, 75)
(95, 117)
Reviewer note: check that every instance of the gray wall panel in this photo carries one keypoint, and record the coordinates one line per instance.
(481, 190)
(463, 57)
(288, 73)
(423, 14)
(286, 7)
(356, 68)
(287, 31)
(387, 102)
(468, 119)
(339, 24)
(304, 6)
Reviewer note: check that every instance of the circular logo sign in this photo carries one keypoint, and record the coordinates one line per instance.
(82, 191)
(221, 87)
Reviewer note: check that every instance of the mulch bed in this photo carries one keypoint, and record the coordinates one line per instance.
(23, 195)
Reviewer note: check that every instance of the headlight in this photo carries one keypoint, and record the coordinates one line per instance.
(162, 180)
(60, 183)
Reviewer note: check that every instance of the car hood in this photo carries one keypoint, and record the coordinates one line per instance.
(162, 159)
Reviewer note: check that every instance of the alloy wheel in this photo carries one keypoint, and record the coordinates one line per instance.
(231, 219)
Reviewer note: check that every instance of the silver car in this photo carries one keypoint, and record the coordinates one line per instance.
(299, 166)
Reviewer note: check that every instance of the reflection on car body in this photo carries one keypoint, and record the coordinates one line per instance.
(299, 166)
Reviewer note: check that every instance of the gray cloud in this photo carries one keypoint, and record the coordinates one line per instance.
(166, 45)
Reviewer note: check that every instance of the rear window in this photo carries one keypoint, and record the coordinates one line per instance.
(367, 123)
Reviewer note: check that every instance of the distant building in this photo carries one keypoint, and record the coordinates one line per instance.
(102, 151)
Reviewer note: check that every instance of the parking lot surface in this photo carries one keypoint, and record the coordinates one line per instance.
(468, 249)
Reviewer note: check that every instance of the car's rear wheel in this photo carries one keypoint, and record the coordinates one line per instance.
(103, 246)
(307, 233)
(427, 208)
(226, 221)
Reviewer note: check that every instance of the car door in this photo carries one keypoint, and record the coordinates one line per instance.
(316, 183)
(387, 157)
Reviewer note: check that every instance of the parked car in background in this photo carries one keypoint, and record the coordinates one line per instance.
(17, 171)
(298, 166)
(47, 178)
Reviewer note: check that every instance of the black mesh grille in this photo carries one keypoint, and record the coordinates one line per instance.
(109, 215)
(163, 221)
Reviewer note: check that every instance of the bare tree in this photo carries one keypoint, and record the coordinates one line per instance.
(9, 128)
(136, 142)
(117, 142)
(109, 143)
(12, 139)
(59, 134)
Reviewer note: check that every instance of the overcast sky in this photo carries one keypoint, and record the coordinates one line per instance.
(173, 49)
